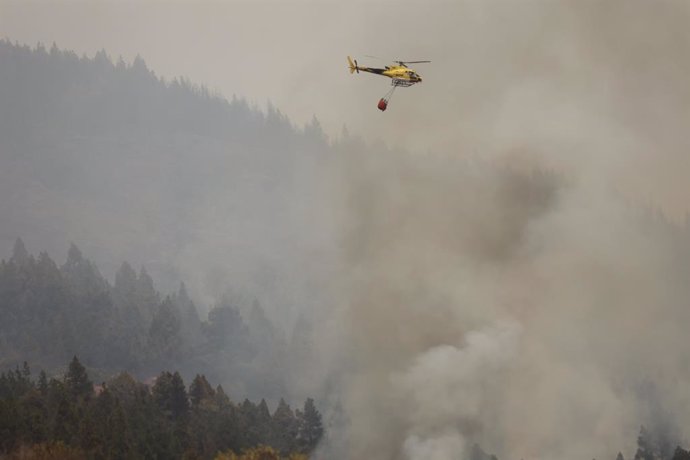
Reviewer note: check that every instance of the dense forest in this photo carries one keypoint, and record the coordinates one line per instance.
(70, 418)
(52, 312)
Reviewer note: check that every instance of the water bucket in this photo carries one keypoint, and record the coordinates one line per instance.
(383, 104)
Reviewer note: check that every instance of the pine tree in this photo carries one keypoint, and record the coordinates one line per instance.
(681, 454)
(124, 296)
(170, 395)
(285, 428)
(222, 400)
(200, 390)
(47, 308)
(190, 324)
(118, 443)
(164, 332)
(77, 380)
(34, 416)
(310, 427)
(477, 453)
(43, 383)
(92, 315)
(129, 338)
(645, 448)
(125, 280)
(147, 297)
(20, 255)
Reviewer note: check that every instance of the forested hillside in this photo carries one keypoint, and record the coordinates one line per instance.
(164, 174)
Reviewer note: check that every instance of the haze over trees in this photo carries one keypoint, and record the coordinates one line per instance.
(53, 312)
(159, 180)
(165, 174)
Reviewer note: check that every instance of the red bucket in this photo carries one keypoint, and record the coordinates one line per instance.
(383, 104)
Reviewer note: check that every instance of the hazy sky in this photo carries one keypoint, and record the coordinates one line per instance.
(585, 85)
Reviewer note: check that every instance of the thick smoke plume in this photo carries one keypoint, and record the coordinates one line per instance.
(540, 315)
(532, 313)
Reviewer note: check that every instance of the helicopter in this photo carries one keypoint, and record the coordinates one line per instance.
(400, 75)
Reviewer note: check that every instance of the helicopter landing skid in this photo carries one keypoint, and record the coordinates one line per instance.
(404, 83)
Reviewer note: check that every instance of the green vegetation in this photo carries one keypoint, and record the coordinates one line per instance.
(51, 312)
(69, 417)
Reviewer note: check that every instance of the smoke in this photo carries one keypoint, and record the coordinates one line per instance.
(537, 314)
(430, 338)
(444, 389)
(446, 446)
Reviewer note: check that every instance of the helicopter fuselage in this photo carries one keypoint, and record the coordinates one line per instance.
(400, 73)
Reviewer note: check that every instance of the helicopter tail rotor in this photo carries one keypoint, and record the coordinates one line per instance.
(353, 65)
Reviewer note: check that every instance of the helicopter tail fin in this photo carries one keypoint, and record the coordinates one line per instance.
(353, 65)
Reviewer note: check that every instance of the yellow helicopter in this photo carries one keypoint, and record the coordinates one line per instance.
(400, 75)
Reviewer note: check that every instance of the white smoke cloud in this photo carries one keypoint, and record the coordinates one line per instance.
(443, 447)
(535, 314)
(446, 388)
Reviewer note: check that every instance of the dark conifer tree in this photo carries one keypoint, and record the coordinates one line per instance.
(190, 324)
(118, 445)
(310, 426)
(477, 453)
(92, 315)
(124, 293)
(200, 390)
(125, 280)
(170, 395)
(20, 255)
(164, 333)
(10, 426)
(225, 327)
(77, 380)
(248, 424)
(645, 447)
(34, 416)
(681, 454)
(285, 428)
(147, 297)
(48, 303)
(221, 399)
(42, 383)
(130, 335)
